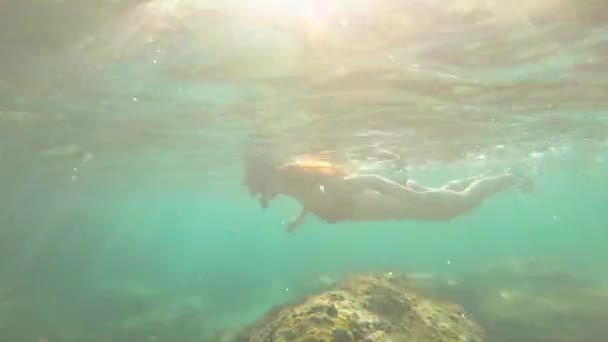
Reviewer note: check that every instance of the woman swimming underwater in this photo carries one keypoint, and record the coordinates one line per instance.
(334, 194)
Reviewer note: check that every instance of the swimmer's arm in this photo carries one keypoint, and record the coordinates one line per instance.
(297, 221)
(385, 186)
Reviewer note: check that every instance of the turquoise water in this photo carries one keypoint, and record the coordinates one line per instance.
(123, 127)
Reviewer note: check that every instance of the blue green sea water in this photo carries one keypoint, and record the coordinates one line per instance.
(124, 126)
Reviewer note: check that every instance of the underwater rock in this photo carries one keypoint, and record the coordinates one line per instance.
(14, 117)
(371, 308)
(528, 300)
(117, 312)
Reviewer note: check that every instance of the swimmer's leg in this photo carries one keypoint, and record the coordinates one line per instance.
(461, 184)
(297, 221)
(381, 185)
(416, 186)
(487, 186)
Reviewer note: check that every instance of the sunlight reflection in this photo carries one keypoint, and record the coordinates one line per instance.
(427, 72)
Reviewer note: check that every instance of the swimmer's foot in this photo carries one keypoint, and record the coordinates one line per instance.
(525, 183)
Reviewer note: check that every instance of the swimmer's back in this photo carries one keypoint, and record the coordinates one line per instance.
(314, 165)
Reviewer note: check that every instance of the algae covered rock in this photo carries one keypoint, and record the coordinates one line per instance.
(534, 299)
(370, 308)
(526, 299)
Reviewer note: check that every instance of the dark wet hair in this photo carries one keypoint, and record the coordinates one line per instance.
(258, 170)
